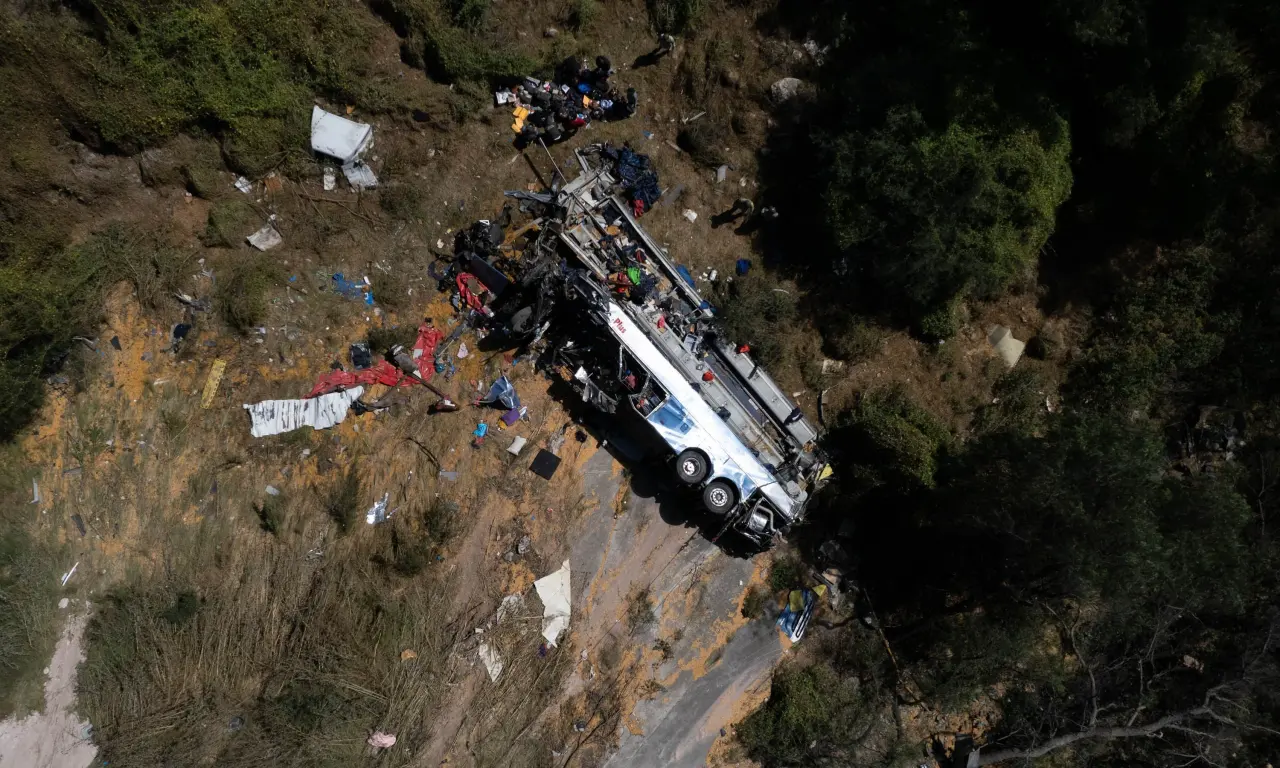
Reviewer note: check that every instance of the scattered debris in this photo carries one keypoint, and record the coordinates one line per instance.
(448, 475)
(330, 179)
(463, 351)
(517, 445)
(352, 290)
(380, 740)
(361, 356)
(722, 173)
(266, 238)
(67, 576)
(35, 492)
(524, 544)
(795, 617)
(360, 176)
(339, 137)
(545, 464)
(115, 343)
(492, 663)
(272, 490)
(742, 266)
(244, 185)
(272, 417)
(408, 654)
(79, 523)
(690, 214)
(1009, 348)
(554, 592)
(502, 392)
(378, 512)
(63, 603)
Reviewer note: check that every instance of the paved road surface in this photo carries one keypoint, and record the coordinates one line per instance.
(696, 589)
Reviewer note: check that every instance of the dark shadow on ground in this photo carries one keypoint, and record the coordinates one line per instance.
(648, 462)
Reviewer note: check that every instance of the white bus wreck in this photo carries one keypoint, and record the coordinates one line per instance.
(620, 322)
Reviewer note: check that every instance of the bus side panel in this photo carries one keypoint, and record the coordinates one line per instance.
(679, 431)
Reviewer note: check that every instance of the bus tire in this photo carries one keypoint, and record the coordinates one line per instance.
(691, 467)
(718, 497)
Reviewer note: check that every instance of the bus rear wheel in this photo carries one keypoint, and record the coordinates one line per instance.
(718, 497)
(691, 467)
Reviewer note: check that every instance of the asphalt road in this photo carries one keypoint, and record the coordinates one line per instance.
(695, 588)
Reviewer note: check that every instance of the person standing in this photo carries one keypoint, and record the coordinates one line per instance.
(666, 45)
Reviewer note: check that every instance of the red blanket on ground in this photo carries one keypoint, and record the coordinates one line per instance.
(384, 372)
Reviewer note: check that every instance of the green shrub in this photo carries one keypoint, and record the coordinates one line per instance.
(675, 16)
(451, 54)
(811, 711)
(786, 573)
(270, 513)
(242, 297)
(185, 607)
(852, 340)
(402, 201)
(583, 14)
(28, 619)
(754, 603)
(704, 141)
(343, 505)
(940, 323)
(1018, 404)
(229, 223)
(891, 439)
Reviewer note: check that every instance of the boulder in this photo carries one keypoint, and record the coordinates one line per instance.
(785, 89)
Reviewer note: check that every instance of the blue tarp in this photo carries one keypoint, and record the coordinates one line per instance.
(795, 617)
(637, 174)
(502, 392)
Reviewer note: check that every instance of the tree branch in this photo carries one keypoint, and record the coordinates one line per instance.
(1089, 734)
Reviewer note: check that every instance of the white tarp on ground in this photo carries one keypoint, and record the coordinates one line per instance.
(492, 664)
(1009, 348)
(265, 239)
(271, 417)
(337, 136)
(554, 592)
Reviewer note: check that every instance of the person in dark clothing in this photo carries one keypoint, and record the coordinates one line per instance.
(604, 69)
(624, 107)
(795, 415)
(666, 45)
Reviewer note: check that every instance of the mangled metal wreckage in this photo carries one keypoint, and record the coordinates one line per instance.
(650, 344)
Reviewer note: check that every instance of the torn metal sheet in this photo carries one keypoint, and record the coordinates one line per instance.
(378, 512)
(337, 136)
(360, 176)
(492, 662)
(555, 594)
(265, 239)
(272, 417)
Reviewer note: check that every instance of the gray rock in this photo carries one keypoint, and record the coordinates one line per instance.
(785, 89)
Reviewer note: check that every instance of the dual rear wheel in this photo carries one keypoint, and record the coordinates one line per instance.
(718, 496)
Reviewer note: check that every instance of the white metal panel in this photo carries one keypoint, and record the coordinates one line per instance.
(706, 430)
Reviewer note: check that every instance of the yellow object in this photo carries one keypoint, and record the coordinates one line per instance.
(519, 113)
(826, 472)
(795, 601)
(408, 653)
(820, 590)
(211, 383)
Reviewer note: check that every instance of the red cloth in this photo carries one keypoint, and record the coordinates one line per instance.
(638, 208)
(708, 376)
(384, 372)
(470, 287)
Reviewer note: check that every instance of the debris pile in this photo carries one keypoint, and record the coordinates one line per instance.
(553, 110)
(347, 142)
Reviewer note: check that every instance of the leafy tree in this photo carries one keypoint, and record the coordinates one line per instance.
(935, 214)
